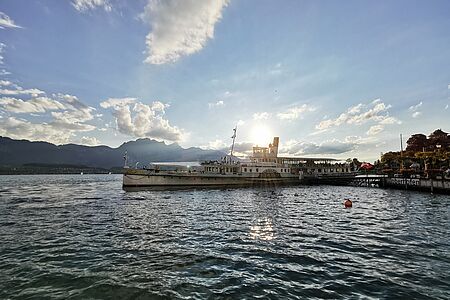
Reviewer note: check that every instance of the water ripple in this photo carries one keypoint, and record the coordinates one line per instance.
(78, 237)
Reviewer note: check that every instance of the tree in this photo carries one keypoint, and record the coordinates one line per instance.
(439, 137)
(391, 159)
(417, 142)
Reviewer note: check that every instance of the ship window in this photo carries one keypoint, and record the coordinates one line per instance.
(250, 170)
(320, 170)
(256, 169)
(245, 169)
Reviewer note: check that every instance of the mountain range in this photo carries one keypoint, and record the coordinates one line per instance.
(21, 152)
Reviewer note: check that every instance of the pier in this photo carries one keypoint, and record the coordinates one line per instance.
(436, 184)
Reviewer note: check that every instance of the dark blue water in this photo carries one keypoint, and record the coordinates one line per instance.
(82, 237)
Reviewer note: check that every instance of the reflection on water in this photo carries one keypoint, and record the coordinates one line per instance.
(84, 237)
(263, 229)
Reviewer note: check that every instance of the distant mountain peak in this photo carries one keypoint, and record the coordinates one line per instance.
(145, 150)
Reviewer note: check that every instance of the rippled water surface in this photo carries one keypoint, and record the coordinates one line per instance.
(82, 236)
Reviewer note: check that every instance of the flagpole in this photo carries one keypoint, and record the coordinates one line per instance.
(233, 137)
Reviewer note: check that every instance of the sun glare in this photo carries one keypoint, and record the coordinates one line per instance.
(261, 135)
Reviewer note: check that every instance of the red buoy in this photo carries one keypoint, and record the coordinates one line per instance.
(348, 203)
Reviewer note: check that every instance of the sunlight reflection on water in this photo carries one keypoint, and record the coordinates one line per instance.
(263, 229)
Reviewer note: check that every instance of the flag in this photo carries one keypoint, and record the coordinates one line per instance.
(234, 133)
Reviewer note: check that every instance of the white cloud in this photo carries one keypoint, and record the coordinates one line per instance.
(7, 83)
(415, 107)
(416, 114)
(389, 121)
(216, 104)
(215, 145)
(141, 120)
(241, 149)
(51, 132)
(2, 47)
(295, 112)
(415, 110)
(65, 109)
(85, 5)
(334, 146)
(117, 102)
(375, 111)
(355, 109)
(375, 129)
(261, 116)
(90, 141)
(20, 91)
(227, 94)
(64, 115)
(12, 89)
(446, 107)
(276, 70)
(180, 27)
(35, 105)
(73, 116)
(7, 22)
(68, 115)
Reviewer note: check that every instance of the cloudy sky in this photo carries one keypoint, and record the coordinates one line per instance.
(331, 78)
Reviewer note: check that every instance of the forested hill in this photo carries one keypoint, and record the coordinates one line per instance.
(20, 152)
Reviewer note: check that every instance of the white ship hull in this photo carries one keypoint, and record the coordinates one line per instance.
(163, 179)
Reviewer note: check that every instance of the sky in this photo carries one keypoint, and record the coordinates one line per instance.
(331, 78)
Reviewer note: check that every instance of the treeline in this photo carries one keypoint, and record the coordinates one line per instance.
(422, 153)
(35, 168)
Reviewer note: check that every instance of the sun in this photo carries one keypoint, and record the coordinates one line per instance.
(261, 135)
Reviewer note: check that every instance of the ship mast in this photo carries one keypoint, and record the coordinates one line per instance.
(233, 137)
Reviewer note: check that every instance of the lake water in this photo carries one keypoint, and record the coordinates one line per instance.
(82, 236)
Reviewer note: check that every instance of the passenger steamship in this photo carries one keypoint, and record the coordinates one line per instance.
(263, 167)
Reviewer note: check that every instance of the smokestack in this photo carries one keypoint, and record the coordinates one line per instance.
(274, 146)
